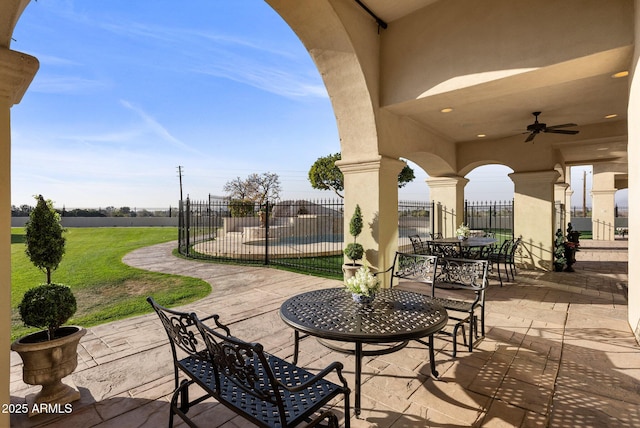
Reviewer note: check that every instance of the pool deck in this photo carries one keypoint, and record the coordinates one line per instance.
(558, 353)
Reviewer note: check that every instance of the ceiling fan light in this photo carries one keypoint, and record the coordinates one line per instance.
(620, 74)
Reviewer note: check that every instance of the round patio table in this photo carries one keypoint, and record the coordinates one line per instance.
(466, 246)
(394, 317)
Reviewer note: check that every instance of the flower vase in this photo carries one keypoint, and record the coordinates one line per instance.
(362, 299)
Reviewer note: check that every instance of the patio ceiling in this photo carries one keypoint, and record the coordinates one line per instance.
(580, 91)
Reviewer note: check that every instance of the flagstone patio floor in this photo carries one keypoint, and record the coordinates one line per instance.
(558, 352)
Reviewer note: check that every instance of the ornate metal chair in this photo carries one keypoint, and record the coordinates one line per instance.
(461, 285)
(419, 246)
(445, 249)
(505, 255)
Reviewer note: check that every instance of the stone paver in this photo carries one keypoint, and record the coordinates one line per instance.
(558, 352)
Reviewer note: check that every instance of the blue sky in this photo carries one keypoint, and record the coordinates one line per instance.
(127, 91)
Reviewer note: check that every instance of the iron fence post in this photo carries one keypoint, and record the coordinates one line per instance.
(187, 227)
(266, 233)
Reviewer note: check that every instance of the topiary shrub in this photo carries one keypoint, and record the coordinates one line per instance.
(241, 207)
(355, 251)
(43, 237)
(47, 306)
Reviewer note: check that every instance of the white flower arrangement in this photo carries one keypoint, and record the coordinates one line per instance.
(463, 230)
(363, 282)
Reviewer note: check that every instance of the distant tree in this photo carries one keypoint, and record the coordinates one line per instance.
(44, 240)
(405, 176)
(256, 187)
(325, 175)
(266, 185)
(238, 189)
(21, 211)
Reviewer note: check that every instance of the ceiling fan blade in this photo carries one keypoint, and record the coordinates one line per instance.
(561, 131)
(531, 137)
(564, 125)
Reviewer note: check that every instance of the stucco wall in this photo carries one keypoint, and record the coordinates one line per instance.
(107, 221)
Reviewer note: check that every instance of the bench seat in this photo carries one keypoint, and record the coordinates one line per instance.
(262, 388)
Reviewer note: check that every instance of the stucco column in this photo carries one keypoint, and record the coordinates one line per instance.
(633, 149)
(534, 216)
(373, 184)
(16, 72)
(449, 193)
(560, 191)
(603, 202)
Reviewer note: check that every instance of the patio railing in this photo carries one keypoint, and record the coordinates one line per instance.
(306, 235)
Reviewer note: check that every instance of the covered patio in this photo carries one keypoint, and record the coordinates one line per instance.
(558, 352)
(449, 86)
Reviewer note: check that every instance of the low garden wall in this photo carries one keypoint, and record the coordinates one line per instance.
(107, 221)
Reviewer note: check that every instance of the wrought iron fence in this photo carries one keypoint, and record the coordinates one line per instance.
(490, 217)
(305, 235)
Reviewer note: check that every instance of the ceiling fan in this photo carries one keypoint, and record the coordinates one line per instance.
(537, 127)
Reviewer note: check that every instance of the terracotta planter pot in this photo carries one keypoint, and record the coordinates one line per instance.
(46, 362)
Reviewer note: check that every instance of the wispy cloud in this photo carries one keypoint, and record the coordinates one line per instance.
(243, 60)
(155, 127)
(66, 85)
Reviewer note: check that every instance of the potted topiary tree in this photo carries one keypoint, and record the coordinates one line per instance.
(353, 251)
(51, 354)
(559, 258)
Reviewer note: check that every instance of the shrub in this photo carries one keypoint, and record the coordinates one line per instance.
(241, 207)
(47, 306)
(44, 240)
(355, 251)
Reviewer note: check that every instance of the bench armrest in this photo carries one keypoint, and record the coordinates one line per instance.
(337, 366)
(383, 271)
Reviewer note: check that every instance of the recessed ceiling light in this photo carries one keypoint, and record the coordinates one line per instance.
(619, 74)
(481, 135)
(446, 110)
(602, 149)
(610, 116)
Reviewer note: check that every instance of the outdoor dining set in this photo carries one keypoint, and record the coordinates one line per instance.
(439, 288)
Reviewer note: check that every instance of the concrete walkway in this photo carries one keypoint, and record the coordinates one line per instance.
(558, 353)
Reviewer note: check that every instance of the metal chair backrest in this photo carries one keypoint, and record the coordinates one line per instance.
(436, 235)
(414, 267)
(181, 330)
(445, 249)
(466, 274)
(242, 363)
(419, 246)
(504, 249)
(513, 248)
(184, 337)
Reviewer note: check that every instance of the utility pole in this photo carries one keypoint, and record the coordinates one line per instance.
(180, 176)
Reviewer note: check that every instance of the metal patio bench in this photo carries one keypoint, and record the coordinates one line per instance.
(260, 387)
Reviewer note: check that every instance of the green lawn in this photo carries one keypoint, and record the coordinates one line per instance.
(106, 289)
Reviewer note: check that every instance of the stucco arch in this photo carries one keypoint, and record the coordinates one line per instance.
(432, 164)
(466, 169)
(342, 45)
